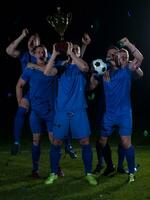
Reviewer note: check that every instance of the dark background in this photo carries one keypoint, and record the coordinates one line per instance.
(106, 21)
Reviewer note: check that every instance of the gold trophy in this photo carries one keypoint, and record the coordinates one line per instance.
(60, 21)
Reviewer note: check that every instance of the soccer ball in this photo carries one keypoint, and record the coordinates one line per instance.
(99, 66)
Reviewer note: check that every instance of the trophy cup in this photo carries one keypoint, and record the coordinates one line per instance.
(60, 21)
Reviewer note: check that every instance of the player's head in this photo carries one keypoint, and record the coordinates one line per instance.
(40, 52)
(111, 55)
(123, 56)
(33, 41)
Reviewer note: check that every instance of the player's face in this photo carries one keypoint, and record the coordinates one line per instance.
(33, 41)
(111, 56)
(76, 50)
(123, 58)
(41, 53)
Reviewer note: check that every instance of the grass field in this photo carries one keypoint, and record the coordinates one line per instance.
(16, 183)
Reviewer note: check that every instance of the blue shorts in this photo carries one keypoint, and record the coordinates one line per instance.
(122, 121)
(38, 119)
(76, 122)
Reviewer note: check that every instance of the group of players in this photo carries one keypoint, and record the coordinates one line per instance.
(56, 97)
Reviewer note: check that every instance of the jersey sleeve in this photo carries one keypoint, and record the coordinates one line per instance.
(26, 74)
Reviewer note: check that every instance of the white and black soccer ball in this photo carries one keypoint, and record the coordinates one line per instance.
(99, 66)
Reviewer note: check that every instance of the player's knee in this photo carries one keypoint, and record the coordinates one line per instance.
(50, 136)
(84, 141)
(126, 142)
(102, 141)
(57, 142)
(36, 139)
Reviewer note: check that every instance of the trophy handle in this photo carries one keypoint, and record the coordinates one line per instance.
(69, 18)
(49, 20)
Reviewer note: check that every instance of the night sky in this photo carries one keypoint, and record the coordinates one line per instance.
(106, 21)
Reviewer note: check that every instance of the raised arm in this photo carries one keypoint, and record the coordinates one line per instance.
(12, 50)
(86, 40)
(73, 52)
(50, 69)
(138, 57)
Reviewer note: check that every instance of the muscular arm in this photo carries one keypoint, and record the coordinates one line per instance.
(82, 65)
(12, 50)
(138, 57)
(134, 66)
(50, 69)
(86, 40)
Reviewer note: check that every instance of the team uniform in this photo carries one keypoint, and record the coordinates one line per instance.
(71, 104)
(71, 114)
(118, 111)
(118, 104)
(25, 58)
(42, 100)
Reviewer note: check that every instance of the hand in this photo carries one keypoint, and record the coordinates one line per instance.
(25, 32)
(70, 48)
(124, 41)
(55, 52)
(86, 39)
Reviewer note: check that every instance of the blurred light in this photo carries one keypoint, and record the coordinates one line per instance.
(130, 13)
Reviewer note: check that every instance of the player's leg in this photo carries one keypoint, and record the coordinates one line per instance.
(61, 126)
(121, 158)
(18, 124)
(36, 127)
(105, 131)
(100, 164)
(82, 133)
(130, 156)
(49, 119)
(125, 133)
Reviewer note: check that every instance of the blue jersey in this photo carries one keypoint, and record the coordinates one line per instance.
(71, 89)
(26, 57)
(117, 91)
(42, 89)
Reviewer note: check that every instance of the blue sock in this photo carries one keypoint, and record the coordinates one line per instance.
(130, 156)
(35, 157)
(55, 155)
(87, 158)
(99, 154)
(121, 156)
(18, 123)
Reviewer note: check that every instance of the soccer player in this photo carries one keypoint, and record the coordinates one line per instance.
(24, 57)
(117, 86)
(86, 40)
(123, 55)
(70, 109)
(42, 99)
(95, 80)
